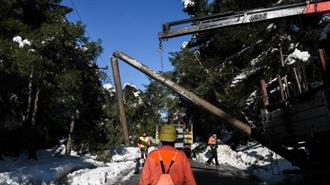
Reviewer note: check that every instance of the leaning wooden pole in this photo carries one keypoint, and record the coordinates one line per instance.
(324, 66)
(122, 116)
(244, 128)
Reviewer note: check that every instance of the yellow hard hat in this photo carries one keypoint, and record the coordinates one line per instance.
(167, 133)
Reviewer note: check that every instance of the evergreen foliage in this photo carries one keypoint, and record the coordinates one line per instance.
(47, 74)
(225, 66)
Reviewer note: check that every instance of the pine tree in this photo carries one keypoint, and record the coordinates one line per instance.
(225, 66)
(48, 75)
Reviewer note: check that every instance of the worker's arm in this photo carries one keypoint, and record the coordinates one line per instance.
(189, 177)
(145, 175)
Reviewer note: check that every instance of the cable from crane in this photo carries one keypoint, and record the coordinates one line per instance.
(161, 54)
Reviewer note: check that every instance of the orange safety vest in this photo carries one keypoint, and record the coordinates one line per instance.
(212, 140)
(180, 171)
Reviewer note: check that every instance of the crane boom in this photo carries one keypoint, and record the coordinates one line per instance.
(238, 18)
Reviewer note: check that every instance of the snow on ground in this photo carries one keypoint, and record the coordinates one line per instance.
(47, 169)
(255, 159)
(51, 168)
(121, 163)
(101, 175)
(81, 170)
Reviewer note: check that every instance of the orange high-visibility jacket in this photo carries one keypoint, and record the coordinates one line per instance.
(180, 171)
(212, 140)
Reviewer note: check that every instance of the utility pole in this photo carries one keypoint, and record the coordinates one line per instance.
(243, 127)
(119, 92)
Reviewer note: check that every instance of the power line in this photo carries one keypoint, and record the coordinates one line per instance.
(80, 19)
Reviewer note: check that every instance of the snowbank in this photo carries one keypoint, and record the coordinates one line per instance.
(47, 169)
(127, 154)
(101, 175)
(255, 159)
(108, 174)
(50, 169)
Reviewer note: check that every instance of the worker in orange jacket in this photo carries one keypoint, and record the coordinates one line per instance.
(167, 164)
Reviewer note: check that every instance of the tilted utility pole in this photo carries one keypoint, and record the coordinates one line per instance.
(244, 128)
(119, 92)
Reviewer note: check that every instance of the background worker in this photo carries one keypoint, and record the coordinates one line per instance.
(213, 145)
(144, 143)
(188, 141)
(167, 163)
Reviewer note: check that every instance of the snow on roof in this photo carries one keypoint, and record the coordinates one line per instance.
(21, 42)
(297, 55)
(187, 3)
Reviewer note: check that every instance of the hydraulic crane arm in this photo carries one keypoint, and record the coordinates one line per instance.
(228, 19)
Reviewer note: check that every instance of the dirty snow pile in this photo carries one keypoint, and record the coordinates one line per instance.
(255, 159)
(53, 168)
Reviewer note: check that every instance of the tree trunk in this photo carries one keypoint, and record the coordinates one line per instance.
(69, 142)
(28, 108)
(32, 154)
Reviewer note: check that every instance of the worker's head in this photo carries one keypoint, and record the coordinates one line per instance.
(214, 135)
(144, 134)
(167, 134)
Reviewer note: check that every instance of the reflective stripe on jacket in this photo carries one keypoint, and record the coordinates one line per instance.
(180, 172)
(212, 140)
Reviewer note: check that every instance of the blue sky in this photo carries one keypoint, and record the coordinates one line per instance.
(130, 26)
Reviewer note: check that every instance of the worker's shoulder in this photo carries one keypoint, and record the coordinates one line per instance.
(182, 155)
(154, 154)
